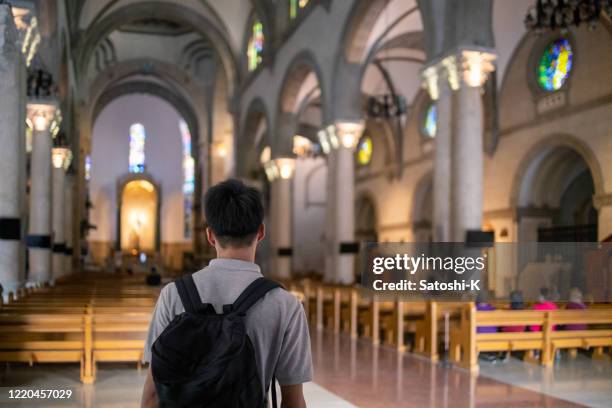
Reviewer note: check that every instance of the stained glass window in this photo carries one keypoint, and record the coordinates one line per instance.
(364, 151)
(188, 177)
(555, 65)
(137, 148)
(255, 46)
(295, 6)
(88, 167)
(430, 124)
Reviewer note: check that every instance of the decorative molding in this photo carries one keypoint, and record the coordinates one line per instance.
(563, 113)
(602, 200)
(464, 67)
(547, 103)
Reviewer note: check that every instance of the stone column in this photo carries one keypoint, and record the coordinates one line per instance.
(330, 249)
(59, 158)
(436, 80)
(69, 221)
(39, 231)
(347, 135)
(11, 154)
(467, 144)
(280, 217)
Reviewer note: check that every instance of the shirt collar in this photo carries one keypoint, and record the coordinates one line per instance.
(235, 264)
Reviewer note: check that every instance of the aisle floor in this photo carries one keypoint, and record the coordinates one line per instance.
(353, 373)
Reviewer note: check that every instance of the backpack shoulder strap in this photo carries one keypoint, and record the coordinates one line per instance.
(255, 291)
(188, 293)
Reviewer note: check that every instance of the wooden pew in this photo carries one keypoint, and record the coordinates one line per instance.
(369, 315)
(402, 319)
(427, 332)
(597, 336)
(118, 337)
(87, 320)
(42, 338)
(466, 343)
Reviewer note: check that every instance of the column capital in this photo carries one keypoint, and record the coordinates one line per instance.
(348, 133)
(61, 157)
(40, 113)
(465, 67)
(474, 67)
(285, 166)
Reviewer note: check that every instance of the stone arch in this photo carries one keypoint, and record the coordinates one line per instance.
(159, 9)
(299, 68)
(421, 215)
(553, 192)
(177, 88)
(358, 27)
(248, 159)
(303, 64)
(366, 218)
(184, 109)
(545, 147)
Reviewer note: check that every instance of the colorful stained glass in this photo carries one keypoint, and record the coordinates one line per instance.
(295, 6)
(188, 177)
(364, 151)
(88, 167)
(555, 65)
(430, 125)
(137, 148)
(255, 46)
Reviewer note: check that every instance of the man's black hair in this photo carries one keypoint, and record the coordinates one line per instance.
(234, 212)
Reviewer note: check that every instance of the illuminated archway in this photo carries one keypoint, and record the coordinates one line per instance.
(138, 212)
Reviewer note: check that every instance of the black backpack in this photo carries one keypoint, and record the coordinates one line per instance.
(205, 359)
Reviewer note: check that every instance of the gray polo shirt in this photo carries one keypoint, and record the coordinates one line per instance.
(276, 324)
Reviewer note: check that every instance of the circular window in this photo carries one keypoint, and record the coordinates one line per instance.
(364, 151)
(430, 122)
(555, 65)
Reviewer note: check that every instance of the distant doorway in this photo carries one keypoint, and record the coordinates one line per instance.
(138, 215)
(556, 198)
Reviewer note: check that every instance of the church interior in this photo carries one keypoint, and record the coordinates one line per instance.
(360, 121)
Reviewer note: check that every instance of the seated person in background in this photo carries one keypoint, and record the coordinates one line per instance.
(575, 302)
(544, 303)
(482, 305)
(516, 303)
(153, 278)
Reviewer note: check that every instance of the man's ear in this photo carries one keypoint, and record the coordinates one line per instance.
(261, 232)
(210, 236)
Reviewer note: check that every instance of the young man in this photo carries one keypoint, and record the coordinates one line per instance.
(276, 324)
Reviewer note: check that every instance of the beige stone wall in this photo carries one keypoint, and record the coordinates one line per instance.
(583, 122)
(172, 254)
(100, 250)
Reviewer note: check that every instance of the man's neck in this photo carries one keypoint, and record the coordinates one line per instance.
(240, 254)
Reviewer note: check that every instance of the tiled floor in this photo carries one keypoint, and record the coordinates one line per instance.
(581, 379)
(118, 386)
(374, 377)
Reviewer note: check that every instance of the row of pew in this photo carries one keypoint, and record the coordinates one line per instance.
(88, 319)
(94, 318)
(428, 327)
